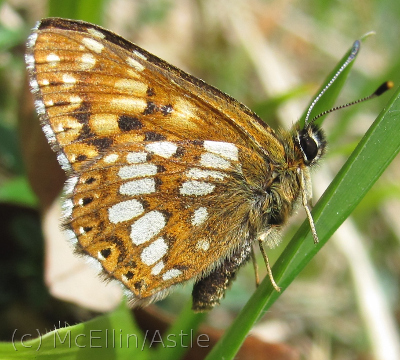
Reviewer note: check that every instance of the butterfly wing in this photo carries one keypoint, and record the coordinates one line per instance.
(163, 167)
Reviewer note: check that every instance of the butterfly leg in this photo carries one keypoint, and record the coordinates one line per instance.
(208, 291)
(255, 266)
(304, 198)
(269, 271)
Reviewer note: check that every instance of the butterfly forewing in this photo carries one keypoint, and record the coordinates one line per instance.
(161, 165)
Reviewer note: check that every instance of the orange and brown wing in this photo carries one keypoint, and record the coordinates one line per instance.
(158, 189)
(95, 90)
(159, 213)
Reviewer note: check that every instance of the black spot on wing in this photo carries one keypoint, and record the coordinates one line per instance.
(105, 253)
(101, 143)
(90, 180)
(151, 108)
(153, 136)
(87, 229)
(129, 275)
(81, 157)
(82, 117)
(85, 132)
(150, 91)
(87, 200)
(129, 123)
(180, 151)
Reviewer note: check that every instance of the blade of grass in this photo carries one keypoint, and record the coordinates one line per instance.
(111, 336)
(371, 157)
(18, 191)
(329, 97)
(183, 331)
(88, 10)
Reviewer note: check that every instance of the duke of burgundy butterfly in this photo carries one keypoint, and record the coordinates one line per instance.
(169, 179)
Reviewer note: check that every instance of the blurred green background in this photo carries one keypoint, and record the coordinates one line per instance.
(272, 56)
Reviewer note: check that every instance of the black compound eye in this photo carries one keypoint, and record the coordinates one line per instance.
(309, 146)
(312, 143)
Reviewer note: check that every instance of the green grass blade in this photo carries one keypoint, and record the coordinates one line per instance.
(183, 332)
(111, 336)
(373, 154)
(329, 97)
(18, 191)
(88, 10)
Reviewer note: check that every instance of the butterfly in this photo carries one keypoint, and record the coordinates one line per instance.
(169, 179)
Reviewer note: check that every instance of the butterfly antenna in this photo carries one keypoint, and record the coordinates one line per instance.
(379, 91)
(353, 53)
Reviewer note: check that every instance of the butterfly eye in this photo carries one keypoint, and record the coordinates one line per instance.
(312, 143)
(309, 146)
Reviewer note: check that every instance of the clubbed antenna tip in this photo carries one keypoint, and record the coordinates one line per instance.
(383, 88)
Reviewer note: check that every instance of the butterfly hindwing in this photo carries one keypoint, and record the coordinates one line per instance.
(153, 212)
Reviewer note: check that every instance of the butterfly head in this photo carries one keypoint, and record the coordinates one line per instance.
(312, 143)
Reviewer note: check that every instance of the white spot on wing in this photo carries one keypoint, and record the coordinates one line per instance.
(34, 85)
(68, 79)
(196, 173)
(75, 99)
(139, 54)
(135, 64)
(162, 148)
(87, 61)
(170, 274)
(184, 110)
(136, 157)
(40, 108)
(63, 161)
(214, 161)
(149, 225)
(203, 245)
(199, 216)
(30, 62)
(140, 170)
(67, 207)
(154, 252)
(96, 33)
(124, 211)
(48, 131)
(157, 268)
(70, 185)
(227, 150)
(93, 45)
(194, 187)
(53, 59)
(111, 158)
(32, 40)
(138, 187)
